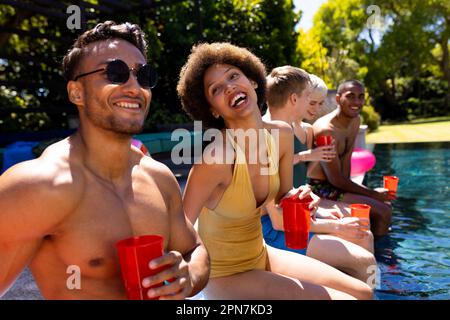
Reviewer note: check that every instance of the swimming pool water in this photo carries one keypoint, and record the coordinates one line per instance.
(414, 258)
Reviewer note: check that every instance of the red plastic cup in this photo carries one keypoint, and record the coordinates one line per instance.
(296, 221)
(324, 140)
(135, 254)
(391, 183)
(361, 211)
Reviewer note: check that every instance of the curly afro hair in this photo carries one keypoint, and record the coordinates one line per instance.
(190, 86)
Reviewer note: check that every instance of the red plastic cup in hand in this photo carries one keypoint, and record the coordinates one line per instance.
(361, 211)
(391, 183)
(135, 254)
(296, 221)
(324, 140)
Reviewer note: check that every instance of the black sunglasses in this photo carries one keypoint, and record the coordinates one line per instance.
(118, 72)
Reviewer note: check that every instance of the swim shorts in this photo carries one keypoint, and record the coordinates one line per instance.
(326, 190)
(275, 238)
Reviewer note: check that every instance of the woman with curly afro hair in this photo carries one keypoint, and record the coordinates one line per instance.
(223, 86)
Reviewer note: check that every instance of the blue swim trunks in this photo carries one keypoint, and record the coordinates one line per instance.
(275, 238)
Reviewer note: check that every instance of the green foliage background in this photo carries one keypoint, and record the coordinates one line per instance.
(172, 27)
(403, 59)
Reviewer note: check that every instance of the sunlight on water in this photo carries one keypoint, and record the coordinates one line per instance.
(414, 259)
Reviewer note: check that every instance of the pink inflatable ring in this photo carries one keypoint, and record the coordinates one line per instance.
(138, 144)
(362, 161)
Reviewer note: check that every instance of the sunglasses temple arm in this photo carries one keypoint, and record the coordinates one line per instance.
(87, 73)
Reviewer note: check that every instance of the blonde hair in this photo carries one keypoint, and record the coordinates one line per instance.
(317, 84)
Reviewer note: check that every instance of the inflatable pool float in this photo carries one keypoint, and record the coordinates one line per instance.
(362, 160)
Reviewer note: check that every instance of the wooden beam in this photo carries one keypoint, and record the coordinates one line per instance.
(117, 4)
(103, 9)
(51, 4)
(63, 6)
(41, 10)
(34, 8)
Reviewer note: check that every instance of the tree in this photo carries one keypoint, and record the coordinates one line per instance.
(415, 29)
(399, 62)
(330, 46)
(39, 40)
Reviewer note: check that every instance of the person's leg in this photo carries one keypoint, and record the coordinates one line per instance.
(380, 212)
(343, 255)
(366, 242)
(338, 206)
(266, 285)
(307, 269)
(344, 208)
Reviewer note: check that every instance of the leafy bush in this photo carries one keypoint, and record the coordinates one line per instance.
(12, 121)
(370, 117)
(159, 115)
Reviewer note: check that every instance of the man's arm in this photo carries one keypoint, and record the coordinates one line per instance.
(347, 157)
(187, 258)
(339, 176)
(185, 239)
(30, 206)
(286, 148)
(285, 155)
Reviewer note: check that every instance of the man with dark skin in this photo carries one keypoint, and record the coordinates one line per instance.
(71, 205)
(332, 179)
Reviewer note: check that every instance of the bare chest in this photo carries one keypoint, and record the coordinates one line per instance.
(104, 216)
(343, 142)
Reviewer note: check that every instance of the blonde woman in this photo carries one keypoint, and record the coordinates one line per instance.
(336, 239)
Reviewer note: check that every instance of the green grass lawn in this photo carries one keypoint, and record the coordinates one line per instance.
(420, 130)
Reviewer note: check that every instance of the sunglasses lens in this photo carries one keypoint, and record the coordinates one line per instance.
(117, 71)
(147, 76)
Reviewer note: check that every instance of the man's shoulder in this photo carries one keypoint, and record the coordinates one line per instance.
(159, 172)
(52, 173)
(276, 124)
(36, 172)
(323, 124)
(152, 166)
(40, 190)
(283, 128)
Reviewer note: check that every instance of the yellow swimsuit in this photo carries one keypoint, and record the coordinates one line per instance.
(232, 232)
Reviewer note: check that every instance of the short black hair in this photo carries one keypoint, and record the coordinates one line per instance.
(341, 88)
(102, 31)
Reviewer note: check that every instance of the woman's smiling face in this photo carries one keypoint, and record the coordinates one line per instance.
(229, 91)
(315, 101)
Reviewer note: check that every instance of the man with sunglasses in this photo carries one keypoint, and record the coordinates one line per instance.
(62, 213)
